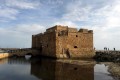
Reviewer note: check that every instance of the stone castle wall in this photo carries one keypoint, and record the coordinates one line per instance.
(45, 43)
(64, 42)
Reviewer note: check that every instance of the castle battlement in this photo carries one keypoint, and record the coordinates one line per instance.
(59, 28)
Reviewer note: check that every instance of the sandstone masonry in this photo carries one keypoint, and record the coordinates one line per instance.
(64, 42)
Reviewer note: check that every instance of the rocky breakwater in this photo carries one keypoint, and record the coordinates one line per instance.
(113, 56)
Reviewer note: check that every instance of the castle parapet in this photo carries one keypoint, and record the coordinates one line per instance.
(83, 30)
(61, 28)
(90, 31)
(72, 30)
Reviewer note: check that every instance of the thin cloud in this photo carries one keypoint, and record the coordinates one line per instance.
(76, 12)
(19, 35)
(10, 9)
(22, 4)
(9, 13)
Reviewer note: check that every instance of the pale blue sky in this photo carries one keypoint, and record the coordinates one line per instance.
(19, 19)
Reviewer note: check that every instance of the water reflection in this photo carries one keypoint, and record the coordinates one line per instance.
(47, 69)
(15, 69)
(101, 72)
(62, 70)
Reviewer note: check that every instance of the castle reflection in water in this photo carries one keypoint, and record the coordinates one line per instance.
(62, 70)
(47, 69)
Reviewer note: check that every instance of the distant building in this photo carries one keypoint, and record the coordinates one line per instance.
(64, 42)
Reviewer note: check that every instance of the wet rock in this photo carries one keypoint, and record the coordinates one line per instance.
(114, 69)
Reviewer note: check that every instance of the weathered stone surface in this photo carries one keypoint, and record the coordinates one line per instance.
(63, 42)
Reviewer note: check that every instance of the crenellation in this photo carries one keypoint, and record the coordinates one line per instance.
(90, 31)
(72, 30)
(83, 30)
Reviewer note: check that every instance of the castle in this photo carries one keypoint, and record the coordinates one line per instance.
(64, 42)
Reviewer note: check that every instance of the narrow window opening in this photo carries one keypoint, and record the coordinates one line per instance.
(76, 35)
(75, 46)
(75, 68)
(58, 34)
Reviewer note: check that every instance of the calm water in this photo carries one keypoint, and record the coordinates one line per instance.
(46, 69)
